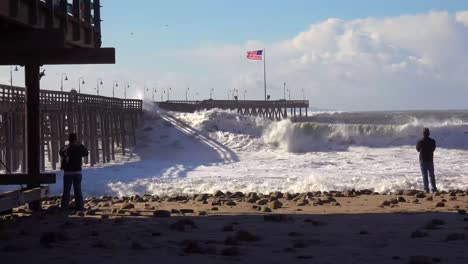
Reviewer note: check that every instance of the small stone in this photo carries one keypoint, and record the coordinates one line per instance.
(461, 212)
(266, 210)
(401, 199)
(175, 211)
(302, 202)
(187, 211)
(439, 204)
(415, 201)
(429, 198)
(161, 213)
(335, 204)
(214, 209)
(127, 206)
(202, 213)
(275, 204)
(237, 195)
(288, 196)
(218, 194)
(277, 195)
(420, 195)
(251, 200)
(328, 199)
(202, 197)
(262, 202)
(230, 203)
(410, 192)
(384, 203)
(393, 201)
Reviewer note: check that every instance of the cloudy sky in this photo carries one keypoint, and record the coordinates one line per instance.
(358, 55)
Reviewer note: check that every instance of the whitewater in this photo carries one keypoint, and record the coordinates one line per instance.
(188, 153)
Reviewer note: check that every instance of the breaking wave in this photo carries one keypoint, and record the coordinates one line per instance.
(251, 133)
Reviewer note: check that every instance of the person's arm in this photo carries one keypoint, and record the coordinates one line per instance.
(434, 146)
(63, 151)
(418, 146)
(84, 151)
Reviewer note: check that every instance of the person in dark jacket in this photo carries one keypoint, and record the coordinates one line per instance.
(426, 147)
(72, 160)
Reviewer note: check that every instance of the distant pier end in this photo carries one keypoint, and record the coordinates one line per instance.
(274, 110)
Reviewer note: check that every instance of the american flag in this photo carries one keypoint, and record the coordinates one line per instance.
(255, 55)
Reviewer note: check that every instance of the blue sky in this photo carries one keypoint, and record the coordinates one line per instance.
(137, 28)
(228, 21)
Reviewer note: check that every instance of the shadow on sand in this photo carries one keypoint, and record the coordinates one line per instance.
(336, 238)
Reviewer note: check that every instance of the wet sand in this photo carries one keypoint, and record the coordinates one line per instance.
(348, 227)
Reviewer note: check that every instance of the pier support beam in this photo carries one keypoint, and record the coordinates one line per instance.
(32, 118)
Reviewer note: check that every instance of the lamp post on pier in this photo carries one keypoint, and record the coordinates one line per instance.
(98, 82)
(11, 74)
(154, 93)
(114, 84)
(211, 93)
(80, 82)
(303, 94)
(61, 80)
(186, 94)
(245, 91)
(125, 90)
(162, 94)
(168, 93)
(284, 90)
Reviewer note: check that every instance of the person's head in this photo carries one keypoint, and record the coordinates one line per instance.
(72, 138)
(426, 132)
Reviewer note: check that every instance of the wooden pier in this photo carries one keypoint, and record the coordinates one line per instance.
(274, 110)
(105, 125)
(43, 32)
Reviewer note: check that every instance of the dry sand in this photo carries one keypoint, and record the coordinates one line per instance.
(349, 227)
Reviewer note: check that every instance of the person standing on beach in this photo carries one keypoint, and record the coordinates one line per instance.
(426, 147)
(72, 160)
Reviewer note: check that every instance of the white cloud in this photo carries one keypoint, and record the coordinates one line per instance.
(406, 62)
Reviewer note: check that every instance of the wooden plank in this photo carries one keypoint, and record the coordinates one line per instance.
(32, 39)
(14, 179)
(14, 199)
(13, 56)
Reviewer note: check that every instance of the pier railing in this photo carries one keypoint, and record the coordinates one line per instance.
(105, 125)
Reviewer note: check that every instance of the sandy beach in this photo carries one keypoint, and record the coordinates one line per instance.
(314, 227)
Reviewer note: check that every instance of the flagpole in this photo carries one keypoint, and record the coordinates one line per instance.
(264, 73)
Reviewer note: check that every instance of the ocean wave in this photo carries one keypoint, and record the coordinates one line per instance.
(246, 132)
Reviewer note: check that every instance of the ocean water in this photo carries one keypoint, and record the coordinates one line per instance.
(179, 153)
